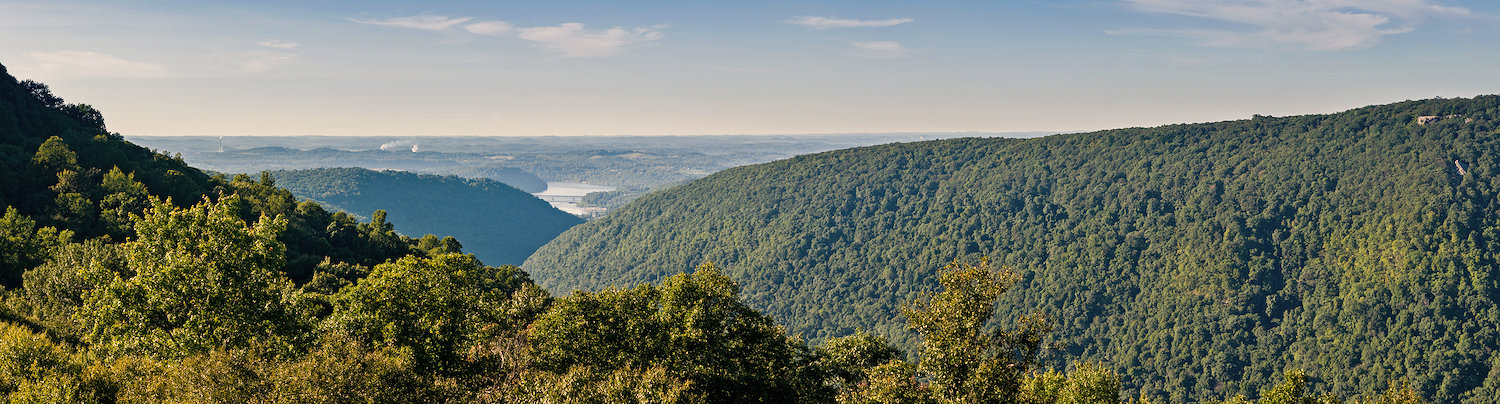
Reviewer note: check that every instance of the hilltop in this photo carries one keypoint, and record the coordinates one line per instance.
(1197, 260)
(498, 223)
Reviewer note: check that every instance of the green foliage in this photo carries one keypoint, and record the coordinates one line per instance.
(23, 245)
(1292, 390)
(338, 371)
(435, 307)
(434, 246)
(196, 279)
(26, 357)
(42, 94)
(693, 325)
(846, 361)
(55, 290)
(34, 369)
(85, 114)
(313, 234)
(584, 385)
(1197, 260)
(1396, 394)
(1208, 269)
(965, 362)
(54, 156)
(123, 196)
(891, 382)
(1086, 383)
(64, 172)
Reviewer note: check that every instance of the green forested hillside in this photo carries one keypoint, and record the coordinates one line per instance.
(498, 223)
(1198, 260)
(30, 115)
(60, 168)
(236, 293)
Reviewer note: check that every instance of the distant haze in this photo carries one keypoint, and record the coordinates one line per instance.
(451, 68)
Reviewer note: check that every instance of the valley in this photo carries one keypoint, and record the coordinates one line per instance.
(832, 202)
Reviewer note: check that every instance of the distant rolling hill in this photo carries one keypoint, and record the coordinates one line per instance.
(1199, 260)
(498, 223)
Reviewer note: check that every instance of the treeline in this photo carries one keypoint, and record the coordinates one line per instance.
(501, 224)
(154, 299)
(194, 308)
(1196, 260)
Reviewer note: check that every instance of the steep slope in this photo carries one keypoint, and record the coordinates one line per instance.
(497, 223)
(60, 168)
(1199, 260)
(26, 122)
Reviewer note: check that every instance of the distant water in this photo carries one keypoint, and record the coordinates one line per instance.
(573, 189)
(565, 195)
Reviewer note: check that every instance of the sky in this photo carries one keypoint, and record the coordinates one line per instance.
(704, 67)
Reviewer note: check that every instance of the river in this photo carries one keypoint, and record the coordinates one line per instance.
(565, 195)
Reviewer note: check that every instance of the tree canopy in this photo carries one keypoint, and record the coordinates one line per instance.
(1197, 260)
(130, 277)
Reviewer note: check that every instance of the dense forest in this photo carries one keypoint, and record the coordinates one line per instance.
(131, 277)
(1196, 260)
(501, 224)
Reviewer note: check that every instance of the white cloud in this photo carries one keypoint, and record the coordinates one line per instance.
(279, 44)
(567, 40)
(1298, 24)
(489, 27)
(879, 50)
(74, 65)
(261, 61)
(427, 22)
(826, 23)
(572, 40)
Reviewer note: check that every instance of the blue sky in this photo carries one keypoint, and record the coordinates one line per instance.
(560, 67)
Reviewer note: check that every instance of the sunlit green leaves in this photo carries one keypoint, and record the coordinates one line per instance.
(435, 307)
(197, 279)
(693, 325)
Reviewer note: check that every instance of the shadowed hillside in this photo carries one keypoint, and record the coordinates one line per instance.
(498, 223)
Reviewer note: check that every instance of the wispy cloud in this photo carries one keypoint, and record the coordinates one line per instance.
(261, 61)
(489, 27)
(827, 23)
(427, 22)
(879, 50)
(74, 65)
(1316, 25)
(572, 40)
(279, 44)
(567, 40)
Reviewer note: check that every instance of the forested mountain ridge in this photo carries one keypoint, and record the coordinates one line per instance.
(60, 168)
(1198, 260)
(30, 115)
(239, 293)
(501, 224)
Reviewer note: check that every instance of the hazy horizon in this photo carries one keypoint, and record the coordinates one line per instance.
(597, 68)
(851, 134)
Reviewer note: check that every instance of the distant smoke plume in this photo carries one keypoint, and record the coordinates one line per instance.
(400, 145)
